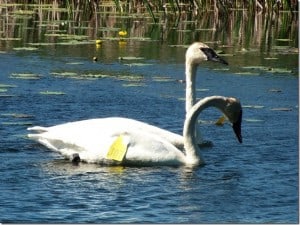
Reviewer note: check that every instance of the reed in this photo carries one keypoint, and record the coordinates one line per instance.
(171, 6)
(234, 23)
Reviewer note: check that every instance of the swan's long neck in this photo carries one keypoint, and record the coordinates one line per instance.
(190, 92)
(193, 155)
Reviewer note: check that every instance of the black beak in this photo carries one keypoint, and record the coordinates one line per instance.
(237, 127)
(213, 56)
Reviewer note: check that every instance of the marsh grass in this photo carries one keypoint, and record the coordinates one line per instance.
(236, 25)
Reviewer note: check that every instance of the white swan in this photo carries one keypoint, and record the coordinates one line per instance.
(195, 54)
(93, 140)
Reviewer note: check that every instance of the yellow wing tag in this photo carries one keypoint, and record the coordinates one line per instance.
(220, 121)
(118, 149)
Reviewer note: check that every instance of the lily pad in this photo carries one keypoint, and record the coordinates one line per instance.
(264, 68)
(202, 89)
(284, 39)
(10, 39)
(274, 90)
(65, 74)
(25, 49)
(130, 58)
(253, 120)
(280, 70)
(3, 90)
(74, 42)
(163, 79)
(25, 76)
(270, 58)
(75, 63)
(253, 106)
(41, 44)
(247, 73)
(17, 115)
(25, 123)
(139, 64)
(134, 85)
(7, 86)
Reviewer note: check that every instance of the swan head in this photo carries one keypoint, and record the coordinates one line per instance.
(198, 52)
(233, 111)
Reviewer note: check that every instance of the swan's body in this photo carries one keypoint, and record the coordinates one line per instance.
(92, 139)
(195, 54)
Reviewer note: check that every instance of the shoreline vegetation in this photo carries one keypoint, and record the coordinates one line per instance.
(266, 25)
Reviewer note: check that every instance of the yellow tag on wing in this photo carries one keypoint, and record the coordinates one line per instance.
(118, 149)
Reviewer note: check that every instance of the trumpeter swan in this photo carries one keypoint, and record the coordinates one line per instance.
(94, 140)
(195, 54)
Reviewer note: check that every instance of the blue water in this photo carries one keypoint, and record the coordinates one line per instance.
(253, 182)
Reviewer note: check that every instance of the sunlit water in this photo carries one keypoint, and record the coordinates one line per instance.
(253, 182)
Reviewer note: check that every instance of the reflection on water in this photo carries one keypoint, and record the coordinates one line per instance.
(239, 30)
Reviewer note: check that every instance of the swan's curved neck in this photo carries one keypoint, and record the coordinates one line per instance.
(193, 155)
(190, 93)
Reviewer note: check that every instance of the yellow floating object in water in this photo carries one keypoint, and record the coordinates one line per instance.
(118, 149)
(220, 121)
(98, 42)
(123, 33)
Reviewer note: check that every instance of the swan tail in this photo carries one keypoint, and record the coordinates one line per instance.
(38, 129)
(65, 149)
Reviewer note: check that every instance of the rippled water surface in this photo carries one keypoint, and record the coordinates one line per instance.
(253, 182)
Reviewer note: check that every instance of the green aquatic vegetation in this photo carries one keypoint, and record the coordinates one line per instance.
(10, 39)
(130, 78)
(17, 115)
(253, 106)
(7, 86)
(253, 120)
(274, 90)
(65, 74)
(25, 76)
(280, 70)
(131, 58)
(52, 93)
(202, 89)
(23, 123)
(95, 76)
(73, 37)
(162, 79)
(25, 49)
(6, 96)
(74, 63)
(41, 44)
(246, 73)
(138, 64)
(134, 85)
(221, 69)
(270, 58)
(265, 69)
(74, 42)
(284, 39)
(3, 90)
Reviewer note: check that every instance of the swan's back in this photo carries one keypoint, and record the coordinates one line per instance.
(92, 139)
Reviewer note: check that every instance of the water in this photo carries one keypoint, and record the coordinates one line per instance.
(253, 182)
